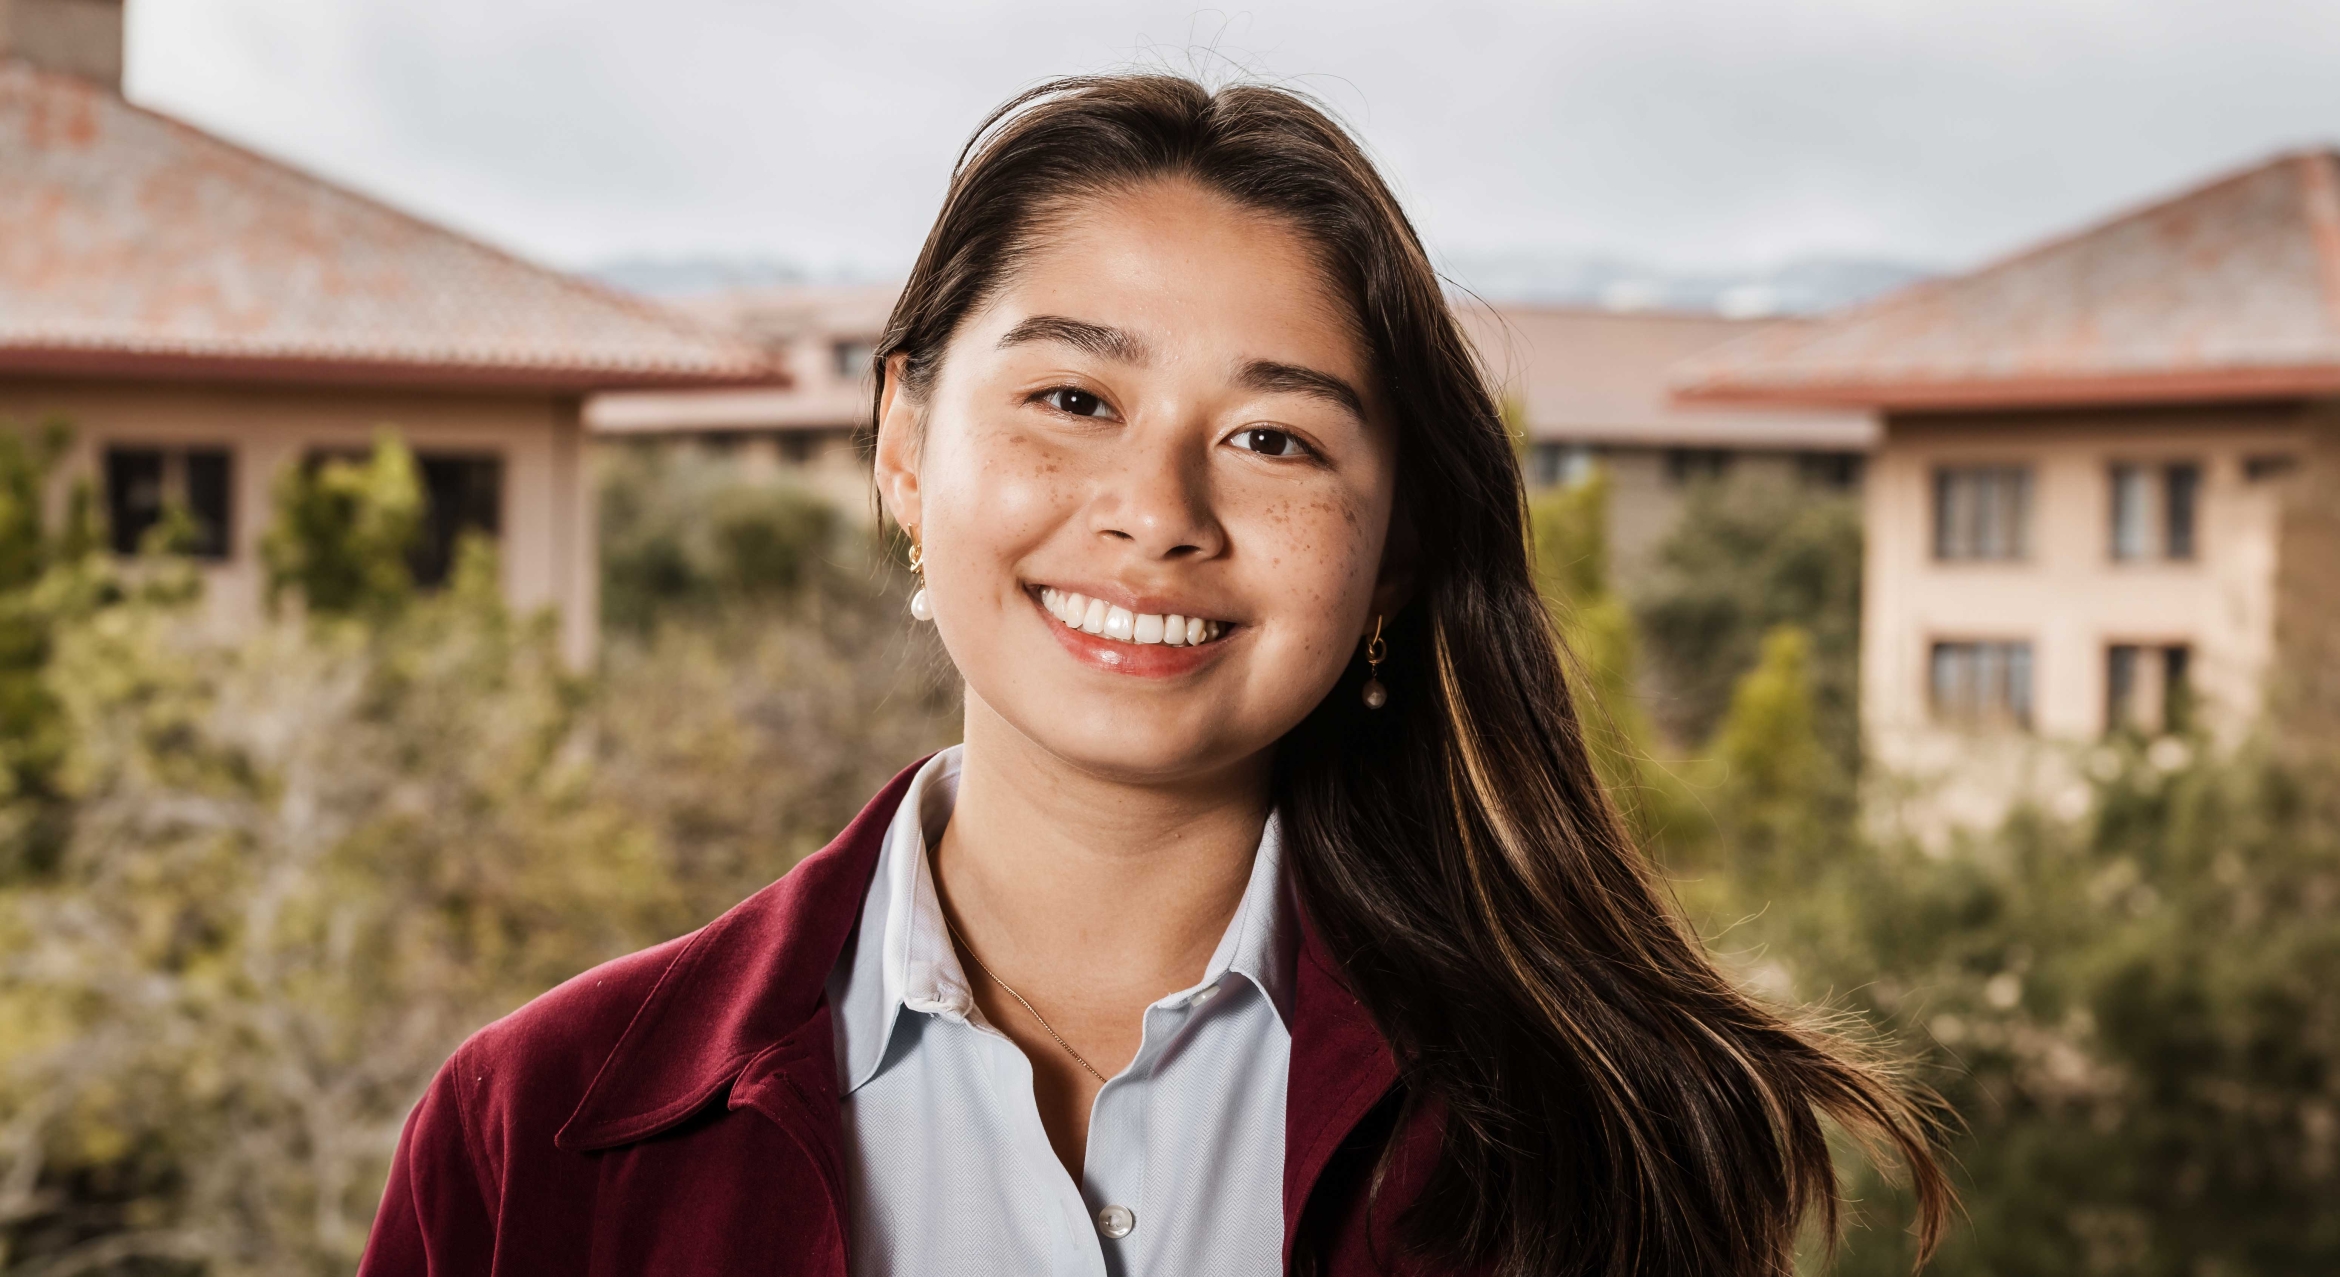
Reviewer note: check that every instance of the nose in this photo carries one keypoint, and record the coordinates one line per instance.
(1155, 500)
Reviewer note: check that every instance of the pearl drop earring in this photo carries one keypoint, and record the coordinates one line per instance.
(921, 607)
(1376, 652)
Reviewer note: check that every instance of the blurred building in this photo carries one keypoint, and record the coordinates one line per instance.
(825, 336)
(2094, 507)
(1589, 387)
(204, 317)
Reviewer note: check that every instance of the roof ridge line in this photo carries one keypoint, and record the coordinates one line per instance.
(2126, 212)
(2320, 201)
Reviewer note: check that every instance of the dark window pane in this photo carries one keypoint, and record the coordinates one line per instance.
(1945, 514)
(1840, 470)
(2184, 484)
(2177, 688)
(1689, 465)
(211, 501)
(1978, 684)
(2120, 686)
(855, 358)
(2271, 466)
(2129, 517)
(1982, 512)
(460, 494)
(134, 494)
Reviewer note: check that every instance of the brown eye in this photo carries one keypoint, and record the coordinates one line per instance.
(1270, 442)
(1075, 402)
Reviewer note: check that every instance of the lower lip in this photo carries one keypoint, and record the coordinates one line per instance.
(1145, 660)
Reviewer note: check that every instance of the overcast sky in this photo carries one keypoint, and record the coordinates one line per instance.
(1712, 134)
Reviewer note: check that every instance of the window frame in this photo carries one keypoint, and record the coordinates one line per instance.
(1958, 533)
(175, 464)
(2153, 510)
(2019, 713)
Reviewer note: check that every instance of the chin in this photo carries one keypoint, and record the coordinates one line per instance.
(1130, 738)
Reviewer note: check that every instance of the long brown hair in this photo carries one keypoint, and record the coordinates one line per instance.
(1611, 1103)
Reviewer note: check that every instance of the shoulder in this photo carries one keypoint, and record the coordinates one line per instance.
(531, 1069)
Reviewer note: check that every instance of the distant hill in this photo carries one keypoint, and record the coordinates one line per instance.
(1804, 287)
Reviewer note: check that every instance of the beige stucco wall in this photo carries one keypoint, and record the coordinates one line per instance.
(546, 546)
(2070, 599)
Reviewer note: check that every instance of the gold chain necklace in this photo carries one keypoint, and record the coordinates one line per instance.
(969, 950)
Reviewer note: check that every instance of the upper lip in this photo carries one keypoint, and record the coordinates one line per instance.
(1139, 604)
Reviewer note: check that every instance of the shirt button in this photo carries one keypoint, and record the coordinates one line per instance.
(1116, 1221)
(1202, 995)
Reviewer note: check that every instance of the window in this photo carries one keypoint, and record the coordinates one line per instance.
(142, 483)
(1982, 512)
(853, 358)
(2153, 510)
(1982, 684)
(2271, 466)
(2148, 688)
(1556, 464)
(1838, 470)
(460, 494)
(1685, 466)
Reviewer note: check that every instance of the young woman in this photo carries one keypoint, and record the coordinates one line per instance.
(1270, 917)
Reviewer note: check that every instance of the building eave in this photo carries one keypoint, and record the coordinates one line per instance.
(2062, 391)
(359, 372)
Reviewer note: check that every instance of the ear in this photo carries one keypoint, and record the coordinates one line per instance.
(896, 459)
(1401, 557)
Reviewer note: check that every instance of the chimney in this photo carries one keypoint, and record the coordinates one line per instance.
(78, 37)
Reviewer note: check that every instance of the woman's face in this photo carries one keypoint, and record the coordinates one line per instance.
(1160, 430)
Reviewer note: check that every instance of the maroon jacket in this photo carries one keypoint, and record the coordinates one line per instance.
(675, 1112)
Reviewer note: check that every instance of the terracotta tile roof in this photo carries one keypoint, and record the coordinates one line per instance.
(138, 246)
(1598, 376)
(2228, 291)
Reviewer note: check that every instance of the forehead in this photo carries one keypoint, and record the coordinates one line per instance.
(1192, 274)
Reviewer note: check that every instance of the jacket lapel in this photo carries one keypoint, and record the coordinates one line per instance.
(1341, 1068)
(741, 1009)
(741, 1005)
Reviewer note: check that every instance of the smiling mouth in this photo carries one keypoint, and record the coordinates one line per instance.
(1120, 625)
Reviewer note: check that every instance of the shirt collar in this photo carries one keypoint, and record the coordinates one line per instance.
(902, 958)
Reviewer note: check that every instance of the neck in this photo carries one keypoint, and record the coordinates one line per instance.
(1056, 874)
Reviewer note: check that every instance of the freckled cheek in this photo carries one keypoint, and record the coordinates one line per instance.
(1315, 559)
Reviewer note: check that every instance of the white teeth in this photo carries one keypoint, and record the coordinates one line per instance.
(1096, 616)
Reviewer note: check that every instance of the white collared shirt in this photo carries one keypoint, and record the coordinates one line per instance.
(948, 1169)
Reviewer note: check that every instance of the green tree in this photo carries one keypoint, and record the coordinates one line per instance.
(685, 537)
(300, 866)
(1569, 545)
(1781, 799)
(1750, 554)
(343, 530)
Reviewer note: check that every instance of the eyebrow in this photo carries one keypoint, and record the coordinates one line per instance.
(1097, 339)
(1273, 378)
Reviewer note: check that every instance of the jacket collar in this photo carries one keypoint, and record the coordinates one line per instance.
(743, 992)
(742, 1007)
